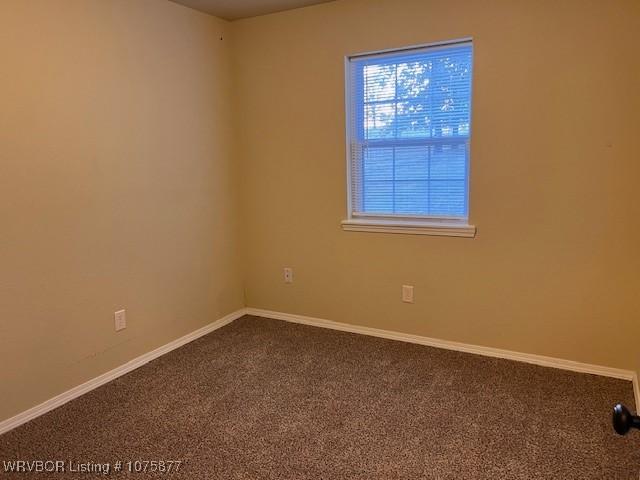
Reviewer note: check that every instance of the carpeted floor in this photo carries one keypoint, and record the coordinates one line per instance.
(264, 399)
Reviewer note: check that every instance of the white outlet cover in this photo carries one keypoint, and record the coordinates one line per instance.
(120, 318)
(407, 293)
(288, 275)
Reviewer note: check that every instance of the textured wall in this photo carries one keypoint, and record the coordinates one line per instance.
(554, 172)
(117, 187)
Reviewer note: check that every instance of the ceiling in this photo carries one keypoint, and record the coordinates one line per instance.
(236, 9)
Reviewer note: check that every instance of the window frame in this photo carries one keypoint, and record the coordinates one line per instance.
(439, 225)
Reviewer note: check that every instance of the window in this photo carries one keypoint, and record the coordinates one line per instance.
(409, 126)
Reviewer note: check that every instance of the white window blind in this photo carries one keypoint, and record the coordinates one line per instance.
(409, 117)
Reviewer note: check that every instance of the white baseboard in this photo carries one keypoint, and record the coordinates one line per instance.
(460, 347)
(94, 383)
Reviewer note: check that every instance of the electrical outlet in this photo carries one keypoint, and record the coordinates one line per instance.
(120, 318)
(407, 293)
(288, 275)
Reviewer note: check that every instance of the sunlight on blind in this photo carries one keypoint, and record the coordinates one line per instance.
(410, 122)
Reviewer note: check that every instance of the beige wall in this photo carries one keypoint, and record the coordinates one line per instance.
(117, 187)
(120, 181)
(555, 267)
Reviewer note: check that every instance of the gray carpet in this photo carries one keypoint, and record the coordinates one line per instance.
(264, 399)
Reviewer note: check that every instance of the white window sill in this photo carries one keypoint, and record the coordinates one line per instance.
(410, 227)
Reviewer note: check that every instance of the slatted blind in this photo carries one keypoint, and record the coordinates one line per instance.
(410, 124)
